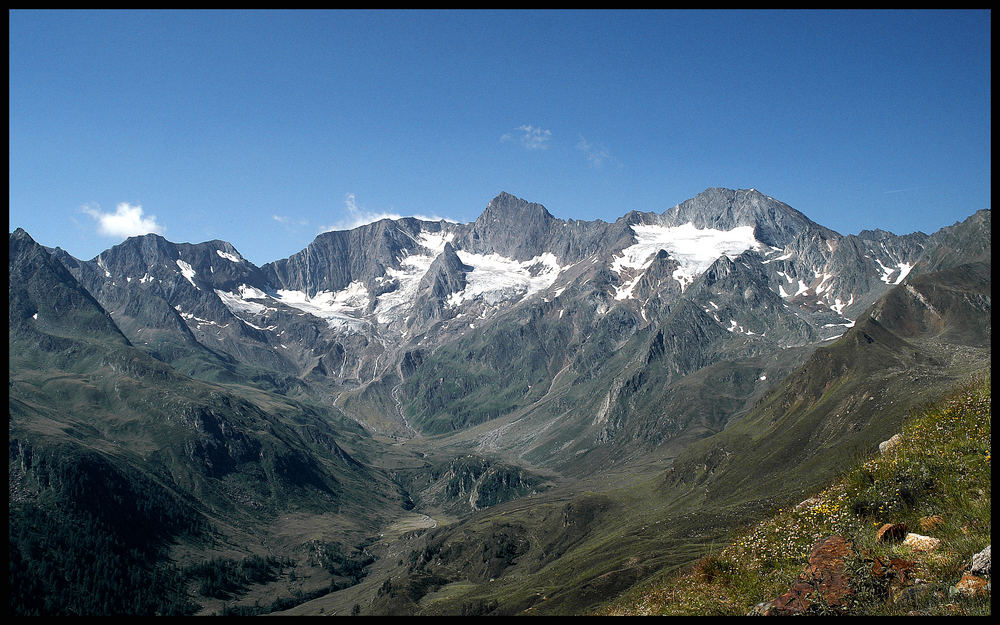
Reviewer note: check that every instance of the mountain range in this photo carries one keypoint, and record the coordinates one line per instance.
(424, 417)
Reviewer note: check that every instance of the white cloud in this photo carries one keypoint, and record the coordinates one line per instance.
(532, 137)
(359, 216)
(596, 154)
(126, 221)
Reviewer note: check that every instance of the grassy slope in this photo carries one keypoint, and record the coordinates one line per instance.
(940, 469)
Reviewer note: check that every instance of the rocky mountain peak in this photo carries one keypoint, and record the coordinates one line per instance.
(446, 275)
(45, 298)
(511, 227)
(512, 209)
(875, 235)
(147, 249)
(20, 243)
(775, 223)
(19, 234)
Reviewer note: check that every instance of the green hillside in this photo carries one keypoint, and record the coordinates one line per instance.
(936, 481)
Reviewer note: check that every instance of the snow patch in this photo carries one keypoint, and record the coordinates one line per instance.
(198, 320)
(187, 272)
(229, 257)
(783, 257)
(495, 278)
(735, 327)
(837, 325)
(100, 263)
(904, 270)
(434, 241)
(694, 249)
(334, 307)
(839, 306)
(237, 304)
(624, 291)
(886, 271)
(256, 327)
(823, 286)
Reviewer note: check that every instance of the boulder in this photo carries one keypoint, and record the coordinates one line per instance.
(885, 446)
(917, 542)
(972, 586)
(823, 583)
(981, 563)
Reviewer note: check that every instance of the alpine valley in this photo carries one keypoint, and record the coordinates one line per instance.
(521, 414)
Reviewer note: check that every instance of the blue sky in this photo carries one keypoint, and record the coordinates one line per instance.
(265, 128)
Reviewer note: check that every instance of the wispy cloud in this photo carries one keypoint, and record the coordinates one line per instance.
(126, 221)
(285, 220)
(531, 137)
(596, 154)
(905, 190)
(359, 216)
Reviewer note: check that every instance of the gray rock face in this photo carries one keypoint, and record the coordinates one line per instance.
(965, 242)
(515, 228)
(45, 299)
(445, 277)
(511, 227)
(335, 259)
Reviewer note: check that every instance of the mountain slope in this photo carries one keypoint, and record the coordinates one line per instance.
(115, 451)
(849, 394)
(932, 478)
